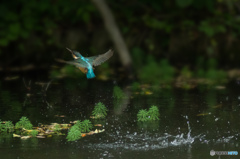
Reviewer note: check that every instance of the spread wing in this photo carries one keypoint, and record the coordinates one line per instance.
(77, 63)
(99, 59)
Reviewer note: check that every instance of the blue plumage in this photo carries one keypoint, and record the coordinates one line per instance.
(90, 74)
(86, 64)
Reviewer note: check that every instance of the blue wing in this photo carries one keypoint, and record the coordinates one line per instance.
(77, 63)
(99, 59)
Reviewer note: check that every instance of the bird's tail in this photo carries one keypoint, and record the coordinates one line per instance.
(90, 74)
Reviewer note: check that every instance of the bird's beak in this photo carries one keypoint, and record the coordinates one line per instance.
(74, 56)
(69, 50)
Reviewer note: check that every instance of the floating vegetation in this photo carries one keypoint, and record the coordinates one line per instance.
(26, 129)
(6, 126)
(118, 92)
(151, 114)
(142, 115)
(86, 125)
(24, 123)
(100, 111)
(77, 130)
(42, 131)
(57, 128)
(142, 89)
(33, 133)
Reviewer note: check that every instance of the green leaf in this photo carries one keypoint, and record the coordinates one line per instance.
(153, 113)
(142, 115)
(24, 123)
(100, 111)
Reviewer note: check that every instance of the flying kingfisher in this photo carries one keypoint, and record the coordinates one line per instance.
(87, 64)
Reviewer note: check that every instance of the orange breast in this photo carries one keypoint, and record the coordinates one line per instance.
(84, 70)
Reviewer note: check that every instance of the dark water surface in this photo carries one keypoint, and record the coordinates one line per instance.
(192, 122)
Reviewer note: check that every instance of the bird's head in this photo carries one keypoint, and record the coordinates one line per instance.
(75, 54)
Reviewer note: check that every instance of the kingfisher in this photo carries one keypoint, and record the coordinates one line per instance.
(87, 64)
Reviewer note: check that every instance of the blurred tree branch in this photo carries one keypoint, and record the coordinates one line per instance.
(114, 32)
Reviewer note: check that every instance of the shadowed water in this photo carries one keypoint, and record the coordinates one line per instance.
(192, 122)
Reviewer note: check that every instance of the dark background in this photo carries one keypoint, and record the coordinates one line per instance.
(186, 35)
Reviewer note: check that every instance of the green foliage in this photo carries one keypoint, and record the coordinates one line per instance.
(23, 123)
(211, 72)
(39, 24)
(20, 25)
(33, 133)
(57, 128)
(142, 115)
(6, 127)
(154, 23)
(2, 127)
(74, 133)
(9, 126)
(214, 75)
(100, 111)
(151, 114)
(76, 130)
(135, 86)
(157, 73)
(118, 92)
(211, 29)
(86, 125)
(185, 72)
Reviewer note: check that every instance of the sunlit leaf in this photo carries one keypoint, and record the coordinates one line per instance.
(41, 137)
(217, 106)
(148, 92)
(203, 114)
(25, 137)
(16, 135)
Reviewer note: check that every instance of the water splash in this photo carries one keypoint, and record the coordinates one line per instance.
(144, 141)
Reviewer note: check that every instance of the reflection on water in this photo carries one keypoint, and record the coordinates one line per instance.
(191, 122)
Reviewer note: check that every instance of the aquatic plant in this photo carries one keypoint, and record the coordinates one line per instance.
(74, 133)
(118, 92)
(33, 133)
(86, 125)
(57, 128)
(76, 130)
(24, 123)
(100, 111)
(142, 115)
(2, 127)
(6, 126)
(9, 127)
(153, 113)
